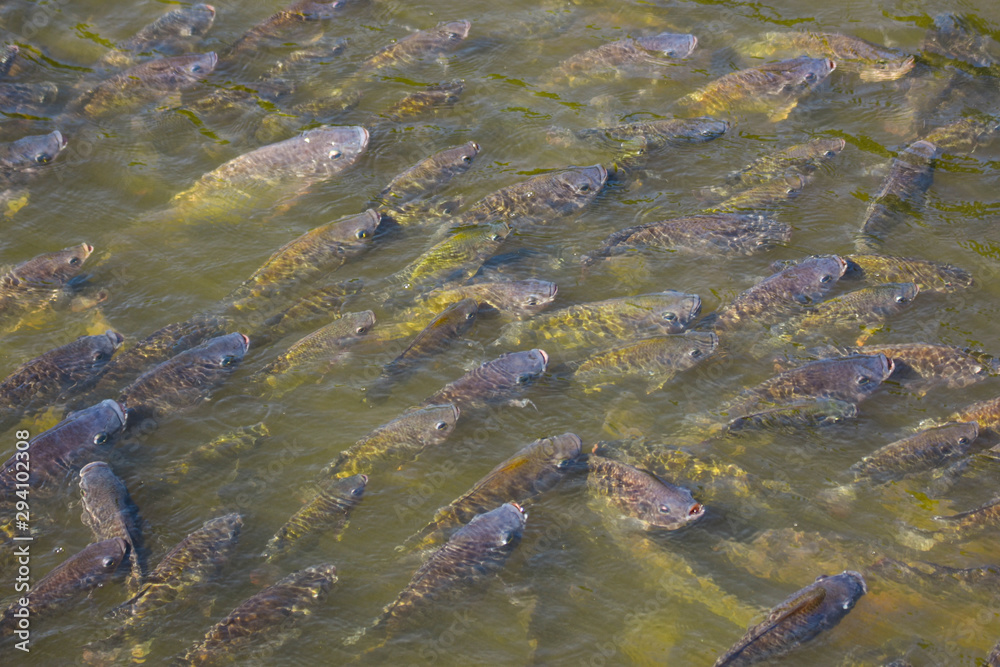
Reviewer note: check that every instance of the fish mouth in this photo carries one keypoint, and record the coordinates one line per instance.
(92, 465)
(209, 8)
(603, 173)
(213, 59)
(246, 342)
(696, 511)
(116, 338)
(60, 139)
(364, 479)
(118, 410)
(87, 248)
(830, 64)
(544, 356)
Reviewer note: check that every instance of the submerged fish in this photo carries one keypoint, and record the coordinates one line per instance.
(27, 98)
(32, 284)
(654, 135)
(326, 512)
(275, 25)
(930, 276)
(965, 134)
(631, 56)
(930, 448)
(860, 312)
(798, 160)
(985, 413)
(400, 440)
(496, 381)
(421, 45)
(226, 447)
(519, 299)
(931, 364)
(430, 175)
(722, 233)
(22, 159)
(265, 618)
(655, 360)
(642, 496)
(901, 194)
(309, 311)
(952, 37)
(764, 197)
(457, 257)
(423, 102)
(809, 413)
(109, 512)
(802, 616)
(170, 32)
(872, 62)
(773, 89)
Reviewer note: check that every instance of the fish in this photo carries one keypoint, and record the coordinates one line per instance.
(965, 134)
(927, 449)
(613, 320)
(399, 440)
(56, 455)
(495, 382)
(655, 360)
(796, 160)
(419, 46)
(985, 413)
(141, 85)
(451, 324)
(22, 159)
(932, 364)
(719, 233)
(965, 523)
(953, 38)
(801, 617)
(787, 555)
(789, 289)
(901, 194)
(430, 175)
(860, 312)
(850, 378)
(519, 299)
(265, 618)
(930, 276)
(27, 98)
(41, 278)
(764, 197)
(422, 102)
(319, 252)
(871, 62)
(326, 512)
(170, 32)
(773, 89)
(540, 200)
(8, 57)
(272, 27)
(533, 470)
(184, 380)
(318, 305)
(653, 503)
(796, 415)
(109, 512)
(631, 56)
(73, 578)
(963, 580)
(56, 375)
(271, 174)
(223, 448)
(655, 135)
(313, 354)
(457, 257)
(472, 554)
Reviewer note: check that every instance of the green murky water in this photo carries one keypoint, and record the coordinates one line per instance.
(575, 591)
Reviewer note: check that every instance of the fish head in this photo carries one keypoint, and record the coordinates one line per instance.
(866, 372)
(103, 558)
(455, 31)
(352, 487)
(357, 324)
(705, 128)
(91, 472)
(953, 278)
(357, 228)
(846, 587)
(768, 233)
(35, 151)
(818, 274)
(672, 311)
(523, 367)
(563, 451)
(222, 352)
(335, 146)
(887, 69)
(964, 433)
(526, 297)
(669, 44)
(904, 293)
(919, 152)
(100, 424)
(178, 72)
(668, 507)
(508, 524)
(828, 147)
(464, 313)
(436, 422)
(51, 270)
(579, 186)
(800, 75)
(100, 349)
(192, 21)
(699, 345)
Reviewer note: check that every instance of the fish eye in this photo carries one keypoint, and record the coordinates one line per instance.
(228, 360)
(862, 380)
(494, 237)
(584, 188)
(664, 509)
(358, 491)
(830, 153)
(466, 159)
(361, 234)
(98, 356)
(74, 261)
(42, 158)
(963, 441)
(826, 279)
(531, 301)
(695, 353)
(361, 330)
(670, 53)
(334, 154)
(669, 316)
(100, 438)
(442, 425)
(470, 316)
(107, 561)
(810, 77)
(902, 299)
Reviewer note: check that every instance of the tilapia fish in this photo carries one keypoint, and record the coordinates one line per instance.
(654, 360)
(73, 578)
(804, 615)
(808, 413)
(930, 276)
(420, 46)
(519, 299)
(631, 56)
(272, 28)
(773, 89)
(901, 195)
(22, 159)
(496, 381)
(613, 320)
(985, 413)
(641, 496)
(953, 38)
(654, 135)
(719, 233)
(185, 380)
(430, 175)
(58, 453)
(965, 134)
(539, 200)
(307, 313)
(109, 512)
(858, 313)
(32, 284)
(852, 379)
(930, 448)
(173, 31)
(422, 103)
(27, 98)
(226, 447)
(787, 290)
(400, 440)
(271, 174)
(471, 555)
(930, 364)
(872, 62)
(326, 512)
(798, 160)
(264, 619)
(457, 257)
(532, 471)
(59, 373)
(966, 581)
(767, 196)
(143, 84)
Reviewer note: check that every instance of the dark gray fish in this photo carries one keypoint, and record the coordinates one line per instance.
(264, 619)
(109, 512)
(930, 276)
(859, 313)
(326, 512)
(925, 450)
(471, 555)
(798, 160)
(541, 199)
(185, 380)
(767, 196)
(630, 53)
(7, 58)
(654, 135)
(965, 580)
(451, 324)
(271, 29)
(400, 440)
(420, 46)
(76, 576)
(171, 33)
(642, 496)
(319, 305)
(520, 299)
(800, 414)
(533, 470)
(46, 272)
(805, 614)
(872, 62)
(719, 233)
(422, 102)
(227, 447)
(494, 382)
(953, 38)
(929, 364)
(901, 195)
(430, 175)
(655, 360)
(57, 454)
(26, 98)
(56, 375)
(851, 379)
(22, 159)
